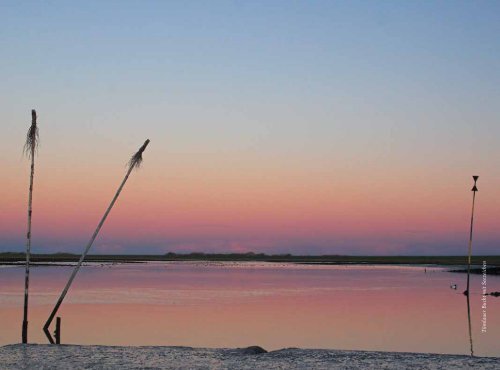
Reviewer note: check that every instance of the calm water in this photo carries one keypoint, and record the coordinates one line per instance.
(389, 308)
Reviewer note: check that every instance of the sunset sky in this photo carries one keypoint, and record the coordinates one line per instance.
(305, 127)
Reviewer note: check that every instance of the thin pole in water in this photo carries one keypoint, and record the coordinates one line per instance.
(30, 147)
(474, 190)
(134, 162)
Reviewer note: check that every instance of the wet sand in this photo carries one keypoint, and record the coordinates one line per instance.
(35, 356)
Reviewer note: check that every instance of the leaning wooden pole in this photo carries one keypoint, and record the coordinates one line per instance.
(474, 190)
(134, 163)
(30, 148)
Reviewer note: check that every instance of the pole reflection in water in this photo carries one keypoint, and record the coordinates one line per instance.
(470, 326)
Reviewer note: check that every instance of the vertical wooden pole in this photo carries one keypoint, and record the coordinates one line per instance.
(30, 147)
(57, 332)
(469, 258)
(474, 190)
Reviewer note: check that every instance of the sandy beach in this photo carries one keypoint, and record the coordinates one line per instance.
(34, 356)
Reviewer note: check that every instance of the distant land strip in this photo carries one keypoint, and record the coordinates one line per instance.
(16, 257)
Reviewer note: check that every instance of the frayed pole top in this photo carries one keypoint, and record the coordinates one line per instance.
(136, 160)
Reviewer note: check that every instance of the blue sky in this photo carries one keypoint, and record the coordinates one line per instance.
(236, 92)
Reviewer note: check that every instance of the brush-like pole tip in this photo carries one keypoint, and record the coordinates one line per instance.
(33, 116)
(136, 160)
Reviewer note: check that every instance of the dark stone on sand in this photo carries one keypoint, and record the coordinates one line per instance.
(252, 350)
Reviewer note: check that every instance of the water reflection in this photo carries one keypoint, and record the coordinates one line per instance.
(237, 305)
(470, 325)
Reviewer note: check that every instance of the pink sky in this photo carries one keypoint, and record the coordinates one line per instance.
(272, 210)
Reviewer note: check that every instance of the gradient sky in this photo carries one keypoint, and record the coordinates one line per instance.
(307, 127)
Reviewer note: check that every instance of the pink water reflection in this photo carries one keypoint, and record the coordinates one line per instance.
(274, 306)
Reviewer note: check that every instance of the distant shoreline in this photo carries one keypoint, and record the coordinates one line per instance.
(13, 258)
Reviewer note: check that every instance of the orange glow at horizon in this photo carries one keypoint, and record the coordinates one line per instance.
(264, 203)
